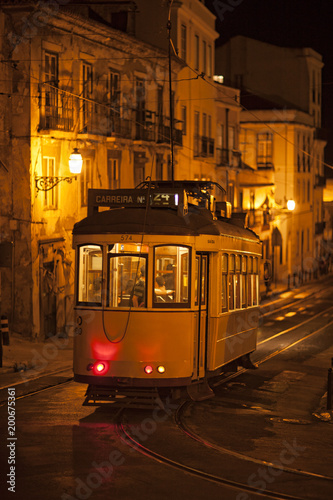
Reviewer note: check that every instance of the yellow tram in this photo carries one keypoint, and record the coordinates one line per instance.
(167, 288)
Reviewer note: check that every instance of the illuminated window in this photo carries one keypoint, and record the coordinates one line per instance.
(237, 282)
(90, 274)
(249, 281)
(224, 282)
(264, 150)
(243, 281)
(171, 276)
(127, 280)
(231, 282)
(255, 282)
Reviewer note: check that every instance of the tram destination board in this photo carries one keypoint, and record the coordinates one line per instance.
(131, 198)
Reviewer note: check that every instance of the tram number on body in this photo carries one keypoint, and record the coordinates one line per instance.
(126, 237)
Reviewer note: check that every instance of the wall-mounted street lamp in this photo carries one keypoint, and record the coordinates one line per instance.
(291, 205)
(75, 165)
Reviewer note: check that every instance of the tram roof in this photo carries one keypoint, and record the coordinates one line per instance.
(159, 221)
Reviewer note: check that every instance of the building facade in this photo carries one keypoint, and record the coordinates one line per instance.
(281, 139)
(76, 83)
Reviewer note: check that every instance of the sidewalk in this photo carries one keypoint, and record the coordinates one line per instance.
(25, 360)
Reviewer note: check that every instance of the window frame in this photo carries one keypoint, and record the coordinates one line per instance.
(139, 255)
(87, 302)
(173, 305)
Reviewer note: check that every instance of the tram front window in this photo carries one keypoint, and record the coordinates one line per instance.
(171, 276)
(90, 274)
(127, 280)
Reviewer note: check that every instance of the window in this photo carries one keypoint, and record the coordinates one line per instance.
(113, 169)
(50, 90)
(243, 281)
(114, 91)
(204, 57)
(90, 274)
(85, 180)
(139, 167)
(204, 124)
(224, 282)
(237, 282)
(249, 281)
(184, 119)
(87, 89)
(255, 282)
(197, 52)
(196, 133)
(231, 282)
(231, 138)
(183, 42)
(159, 166)
(127, 271)
(264, 150)
(49, 170)
(171, 276)
(209, 61)
(140, 115)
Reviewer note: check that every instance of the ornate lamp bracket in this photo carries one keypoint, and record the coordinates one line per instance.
(48, 183)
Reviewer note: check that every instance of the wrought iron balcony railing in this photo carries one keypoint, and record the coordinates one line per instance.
(203, 146)
(59, 111)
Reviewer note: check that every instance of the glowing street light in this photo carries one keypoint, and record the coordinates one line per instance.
(75, 162)
(291, 205)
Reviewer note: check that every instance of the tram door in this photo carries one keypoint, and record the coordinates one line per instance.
(201, 303)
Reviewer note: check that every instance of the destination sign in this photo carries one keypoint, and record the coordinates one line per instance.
(130, 198)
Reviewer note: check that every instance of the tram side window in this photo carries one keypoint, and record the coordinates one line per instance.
(171, 276)
(249, 281)
(231, 282)
(90, 274)
(255, 281)
(243, 280)
(237, 281)
(224, 282)
(127, 280)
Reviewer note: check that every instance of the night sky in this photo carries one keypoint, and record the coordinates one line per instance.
(288, 23)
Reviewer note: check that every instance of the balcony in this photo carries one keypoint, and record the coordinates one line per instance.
(228, 157)
(57, 111)
(203, 146)
(320, 181)
(260, 219)
(319, 227)
(62, 112)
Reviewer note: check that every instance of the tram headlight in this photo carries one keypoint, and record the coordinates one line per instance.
(161, 369)
(148, 369)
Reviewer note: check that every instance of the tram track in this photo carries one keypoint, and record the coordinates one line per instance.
(128, 439)
(270, 305)
(288, 472)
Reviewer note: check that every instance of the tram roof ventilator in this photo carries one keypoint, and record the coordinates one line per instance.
(177, 195)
